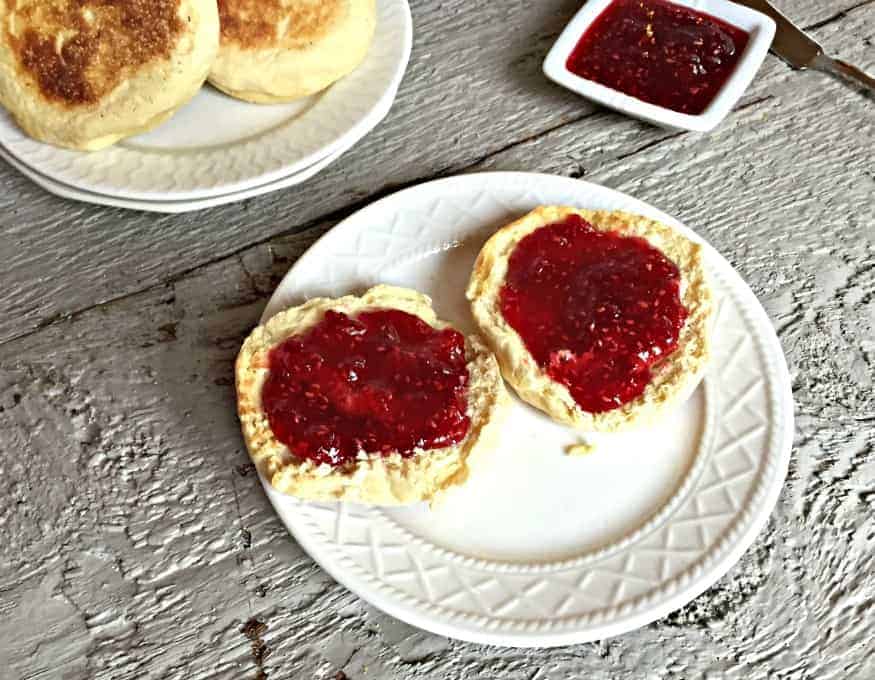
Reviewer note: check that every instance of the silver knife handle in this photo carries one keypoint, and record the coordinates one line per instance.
(844, 70)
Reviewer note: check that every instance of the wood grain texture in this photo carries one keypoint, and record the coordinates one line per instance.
(136, 542)
(485, 54)
(474, 87)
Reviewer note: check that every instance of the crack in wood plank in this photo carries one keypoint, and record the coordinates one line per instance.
(254, 630)
(649, 145)
(838, 16)
(754, 102)
(246, 541)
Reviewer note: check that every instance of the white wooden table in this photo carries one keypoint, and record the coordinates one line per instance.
(135, 541)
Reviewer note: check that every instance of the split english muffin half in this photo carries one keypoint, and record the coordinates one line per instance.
(600, 319)
(85, 74)
(369, 399)
(282, 50)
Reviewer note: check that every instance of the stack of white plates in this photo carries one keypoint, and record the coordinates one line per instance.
(219, 150)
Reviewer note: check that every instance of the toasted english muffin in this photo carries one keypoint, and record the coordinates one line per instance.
(84, 74)
(672, 379)
(281, 50)
(383, 477)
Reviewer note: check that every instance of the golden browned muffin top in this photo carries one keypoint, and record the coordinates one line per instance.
(77, 51)
(254, 24)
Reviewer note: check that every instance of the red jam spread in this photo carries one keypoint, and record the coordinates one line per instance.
(379, 382)
(659, 52)
(595, 309)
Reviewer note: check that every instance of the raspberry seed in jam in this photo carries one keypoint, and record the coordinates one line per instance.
(596, 309)
(379, 382)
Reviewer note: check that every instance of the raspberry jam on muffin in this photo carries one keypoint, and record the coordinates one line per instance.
(600, 319)
(369, 399)
(595, 309)
(380, 381)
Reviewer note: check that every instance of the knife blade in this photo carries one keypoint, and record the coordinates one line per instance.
(801, 51)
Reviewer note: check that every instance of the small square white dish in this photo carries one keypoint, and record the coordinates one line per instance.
(760, 28)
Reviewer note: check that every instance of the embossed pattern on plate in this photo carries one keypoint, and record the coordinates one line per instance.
(252, 144)
(717, 483)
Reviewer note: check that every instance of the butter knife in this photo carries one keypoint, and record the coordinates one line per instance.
(800, 51)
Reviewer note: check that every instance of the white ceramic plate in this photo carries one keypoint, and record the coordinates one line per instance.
(539, 548)
(241, 145)
(180, 206)
(75, 194)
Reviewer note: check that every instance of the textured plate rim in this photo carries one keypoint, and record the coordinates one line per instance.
(718, 558)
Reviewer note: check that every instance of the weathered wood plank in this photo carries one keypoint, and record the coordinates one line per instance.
(812, 13)
(137, 543)
(81, 255)
(474, 87)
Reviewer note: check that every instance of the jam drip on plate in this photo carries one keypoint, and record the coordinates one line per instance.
(659, 52)
(379, 382)
(595, 309)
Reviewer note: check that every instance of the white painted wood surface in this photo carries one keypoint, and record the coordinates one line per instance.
(136, 542)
